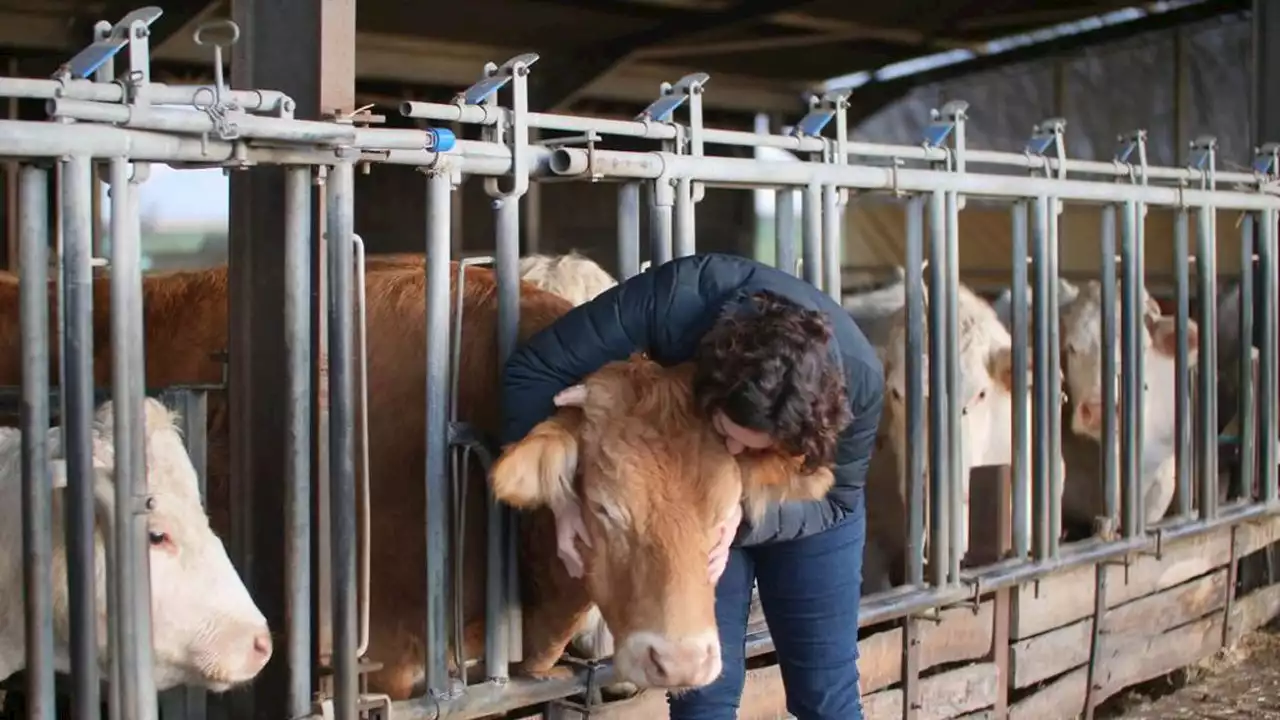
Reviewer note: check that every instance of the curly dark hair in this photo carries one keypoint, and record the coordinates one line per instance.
(768, 366)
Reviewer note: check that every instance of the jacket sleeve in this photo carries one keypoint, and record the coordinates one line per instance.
(789, 521)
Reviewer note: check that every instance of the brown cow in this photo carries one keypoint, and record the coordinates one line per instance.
(654, 480)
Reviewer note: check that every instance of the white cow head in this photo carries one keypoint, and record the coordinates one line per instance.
(206, 629)
(574, 277)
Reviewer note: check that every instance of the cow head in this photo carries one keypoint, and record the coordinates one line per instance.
(654, 480)
(206, 629)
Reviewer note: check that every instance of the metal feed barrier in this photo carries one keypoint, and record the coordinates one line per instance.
(131, 122)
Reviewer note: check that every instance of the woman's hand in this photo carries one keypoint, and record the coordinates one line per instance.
(569, 530)
(725, 532)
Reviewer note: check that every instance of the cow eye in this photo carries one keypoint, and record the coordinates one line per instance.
(157, 538)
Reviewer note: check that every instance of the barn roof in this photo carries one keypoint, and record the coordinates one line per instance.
(762, 55)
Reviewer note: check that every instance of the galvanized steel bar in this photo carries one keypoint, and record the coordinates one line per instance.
(784, 221)
(507, 258)
(1054, 414)
(958, 477)
(176, 120)
(297, 322)
(939, 535)
(1207, 387)
(339, 206)
(1182, 389)
(1110, 456)
(37, 498)
(1131, 391)
(915, 459)
(438, 253)
(76, 419)
(811, 234)
(132, 558)
(1270, 355)
(1246, 407)
(628, 230)
(685, 224)
(157, 93)
(660, 222)
(1042, 544)
(1021, 465)
(832, 243)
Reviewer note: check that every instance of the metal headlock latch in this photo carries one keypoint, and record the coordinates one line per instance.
(591, 694)
(948, 122)
(1204, 151)
(219, 106)
(831, 105)
(514, 123)
(94, 56)
(689, 139)
(1047, 135)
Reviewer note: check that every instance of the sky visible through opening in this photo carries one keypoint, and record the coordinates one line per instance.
(200, 198)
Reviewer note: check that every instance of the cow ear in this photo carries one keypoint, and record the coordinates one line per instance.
(1000, 366)
(1164, 338)
(771, 478)
(538, 470)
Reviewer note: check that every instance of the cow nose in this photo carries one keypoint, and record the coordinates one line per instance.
(1089, 415)
(689, 662)
(262, 646)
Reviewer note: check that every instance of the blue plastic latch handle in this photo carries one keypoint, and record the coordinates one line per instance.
(936, 134)
(440, 140)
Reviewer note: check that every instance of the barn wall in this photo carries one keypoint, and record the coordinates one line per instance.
(1102, 92)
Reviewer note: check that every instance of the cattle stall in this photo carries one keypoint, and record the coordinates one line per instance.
(997, 603)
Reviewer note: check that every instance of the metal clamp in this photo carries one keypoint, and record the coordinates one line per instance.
(1129, 145)
(1266, 160)
(662, 110)
(87, 61)
(218, 108)
(822, 109)
(948, 122)
(1046, 135)
(591, 693)
(515, 71)
(1204, 152)
(672, 96)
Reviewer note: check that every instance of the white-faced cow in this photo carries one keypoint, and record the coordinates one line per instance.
(207, 631)
(574, 277)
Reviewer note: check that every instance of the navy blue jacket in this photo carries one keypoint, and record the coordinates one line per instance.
(665, 311)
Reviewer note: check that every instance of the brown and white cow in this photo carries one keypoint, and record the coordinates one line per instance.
(206, 630)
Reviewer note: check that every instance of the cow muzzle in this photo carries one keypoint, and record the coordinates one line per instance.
(654, 660)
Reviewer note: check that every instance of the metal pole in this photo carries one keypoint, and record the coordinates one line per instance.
(1021, 470)
(832, 243)
(1246, 406)
(685, 223)
(439, 188)
(1110, 465)
(915, 459)
(939, 457)
(660, 222)
(342, 479)
(1043, 383)
(784, 219)
(1207, 387)
(37, 500)
(76, 420)
(1053, 408)
(138, 698)
(628, 230)
(811, 234)
(297, 323)
(957, 497)
(1270, 355)
(1182, 390)
(1131, 372)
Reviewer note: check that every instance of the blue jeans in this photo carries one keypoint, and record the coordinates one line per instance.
(809, 589)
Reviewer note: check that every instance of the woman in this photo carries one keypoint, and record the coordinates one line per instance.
(778, 363)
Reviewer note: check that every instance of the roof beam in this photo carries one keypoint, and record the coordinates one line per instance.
(876, 95)
(559, 81)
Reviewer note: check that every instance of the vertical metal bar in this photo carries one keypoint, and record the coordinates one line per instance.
(660, 221)
(1021, 389)
(1207, 387)
(297, 324)
(957, 495)
(37, 499)
(1270, 355)
(939, 456)
(1110, 459)
(1043, 383)
(1131, 372)
(342, 469)
(497, 630)
(1182, 390)
(685, 222)
(784, 219)
(915, 459)
(628, 230)
(127, 386)
(76, 418)
(1245, 407)
(811, 234)
(832, 243)
(439, 189)
(1053, 407)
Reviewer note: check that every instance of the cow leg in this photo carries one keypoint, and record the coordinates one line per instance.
(556, 605)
